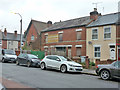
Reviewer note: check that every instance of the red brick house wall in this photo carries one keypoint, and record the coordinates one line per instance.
(69, 38)
(31, 32)
(4, 44)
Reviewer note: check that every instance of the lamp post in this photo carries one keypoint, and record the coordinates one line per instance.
(20, 32)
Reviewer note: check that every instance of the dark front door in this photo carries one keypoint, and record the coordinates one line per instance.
(118, 54)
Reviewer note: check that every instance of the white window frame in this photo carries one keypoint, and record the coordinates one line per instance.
(107, 32)
(97, 51)
(32, 37)
(95, 34)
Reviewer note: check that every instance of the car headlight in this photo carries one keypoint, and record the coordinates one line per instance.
(71, 65)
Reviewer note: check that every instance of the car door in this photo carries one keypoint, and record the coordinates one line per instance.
(115, 69)
(48, 61)
(56, 62)
(19, 58)
(24, 59)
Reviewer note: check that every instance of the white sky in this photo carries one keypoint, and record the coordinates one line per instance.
(45, 10)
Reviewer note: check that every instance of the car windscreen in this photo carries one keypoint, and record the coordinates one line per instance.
(32, 56)
(11, 52)
(65, 58)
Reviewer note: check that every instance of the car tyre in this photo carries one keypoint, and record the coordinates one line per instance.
(105, 74)
(17, 63)
(3, 60)
(28, 64)
(42, 66)
(63, 68)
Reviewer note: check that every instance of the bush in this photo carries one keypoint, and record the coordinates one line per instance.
(92, 64)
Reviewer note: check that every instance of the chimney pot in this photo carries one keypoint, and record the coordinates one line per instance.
(15, 32)
(49, 23)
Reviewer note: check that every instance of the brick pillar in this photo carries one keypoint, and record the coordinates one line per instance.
(97, 61)
(87, 63)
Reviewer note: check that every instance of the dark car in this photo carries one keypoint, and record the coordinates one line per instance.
(28, 59)
(109, 71)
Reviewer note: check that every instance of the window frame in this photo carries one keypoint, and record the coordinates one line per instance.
(32, 38)
(95, 34)
(97, 46)
(107, 33)
(77, 34)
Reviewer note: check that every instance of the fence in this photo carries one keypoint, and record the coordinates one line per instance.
(39, 54)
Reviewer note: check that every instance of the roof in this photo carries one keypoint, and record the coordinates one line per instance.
(69, 24)
(38, 26)
(12, 37)
(107, 19)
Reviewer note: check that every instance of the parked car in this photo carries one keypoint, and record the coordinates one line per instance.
(60, 63)
(8, 55)
(2, 87)
(109, 71)
(28, 59)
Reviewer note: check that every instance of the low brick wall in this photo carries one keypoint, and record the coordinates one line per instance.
(109, 61)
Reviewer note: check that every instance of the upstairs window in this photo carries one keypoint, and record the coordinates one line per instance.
(94, 34)
(32, 37)
(46, 38)
(79, 35)
(60, 37)
(107, 33)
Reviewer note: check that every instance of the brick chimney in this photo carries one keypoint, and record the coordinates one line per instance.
(94, 15)
(15, 33)
(49, 23)
(5, 32)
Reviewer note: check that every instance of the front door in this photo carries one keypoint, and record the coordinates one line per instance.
(112, 53)
(118, 54)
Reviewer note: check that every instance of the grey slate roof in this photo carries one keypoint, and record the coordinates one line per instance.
(12, 37)
(69, 24)
(107, 19)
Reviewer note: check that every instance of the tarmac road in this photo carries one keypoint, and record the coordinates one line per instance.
(37, 78)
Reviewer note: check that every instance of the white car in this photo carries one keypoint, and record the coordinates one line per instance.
(60, 63)
(2, 87)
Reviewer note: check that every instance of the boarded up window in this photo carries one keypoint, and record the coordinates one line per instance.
(60, 37)
(78, 35)
(78, 51)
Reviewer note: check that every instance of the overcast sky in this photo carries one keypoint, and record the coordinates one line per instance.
(45, 10)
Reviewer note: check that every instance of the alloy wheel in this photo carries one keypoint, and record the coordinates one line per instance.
(105, 75)
(63, 69)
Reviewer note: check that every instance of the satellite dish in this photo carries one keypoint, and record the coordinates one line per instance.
(89, 42)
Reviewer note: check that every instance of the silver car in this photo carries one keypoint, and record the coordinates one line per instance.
(60, 63)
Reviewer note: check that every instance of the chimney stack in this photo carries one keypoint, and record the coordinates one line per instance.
(15, 33)
(94, 15)
(5, 32)
(49, 23)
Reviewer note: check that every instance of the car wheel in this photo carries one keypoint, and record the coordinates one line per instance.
(28, 64)
(63, 68)
(17, 63)
(3, 60)
(105, 74)
(42, 66)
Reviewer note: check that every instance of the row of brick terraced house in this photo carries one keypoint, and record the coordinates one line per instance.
(96, 36)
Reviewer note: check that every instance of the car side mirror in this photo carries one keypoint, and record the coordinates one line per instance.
(58, 60)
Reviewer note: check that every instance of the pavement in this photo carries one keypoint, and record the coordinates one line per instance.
(89, 72)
